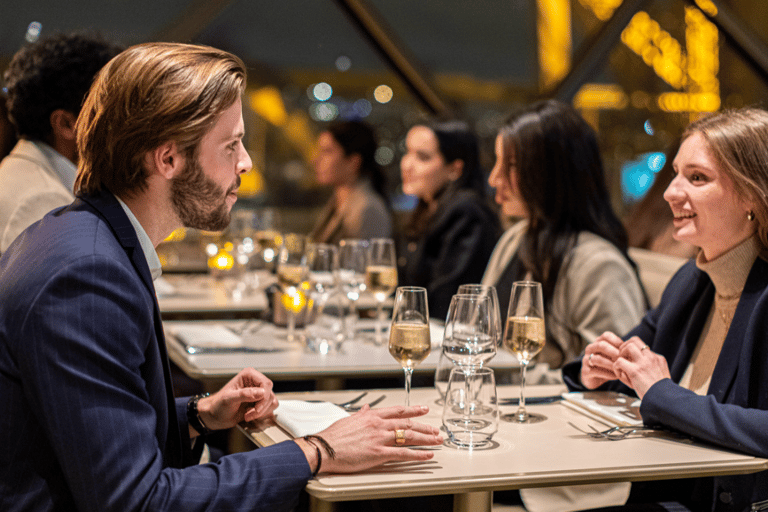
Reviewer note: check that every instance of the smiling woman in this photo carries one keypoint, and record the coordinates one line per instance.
(698, 360)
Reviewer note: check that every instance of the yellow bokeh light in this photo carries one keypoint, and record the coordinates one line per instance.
(177, 235)
(268, 103)
(251, 183)
(222, 260)
(383, 94)
(600, 96)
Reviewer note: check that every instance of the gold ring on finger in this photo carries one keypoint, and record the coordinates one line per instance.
(399, 437)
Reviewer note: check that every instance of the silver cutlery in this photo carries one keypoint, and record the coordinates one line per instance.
(356, 408)
(614, 433)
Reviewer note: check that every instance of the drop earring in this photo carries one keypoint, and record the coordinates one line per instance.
(750, 215)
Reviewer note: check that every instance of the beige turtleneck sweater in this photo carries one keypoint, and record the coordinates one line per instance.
(728, 273)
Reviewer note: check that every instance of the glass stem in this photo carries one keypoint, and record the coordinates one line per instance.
(408, 373)
(521, 413)
(379, 327)
(291, 325)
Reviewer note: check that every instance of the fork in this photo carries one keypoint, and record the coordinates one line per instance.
(355, 408)
(614, 433)
(344, 405)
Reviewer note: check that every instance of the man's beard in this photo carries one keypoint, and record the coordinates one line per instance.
(198, 201)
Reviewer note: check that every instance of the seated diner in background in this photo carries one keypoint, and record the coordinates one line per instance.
(699, 361)
(450, 235)
(549, 174)
(89, 418)
(346, 162)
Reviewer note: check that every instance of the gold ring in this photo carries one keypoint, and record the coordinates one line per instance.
(399, 437)
(644, 347)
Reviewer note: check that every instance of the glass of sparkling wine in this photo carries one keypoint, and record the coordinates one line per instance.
(353, 255)
(524, 336)
(409, 340)
(292, 273)
(381, 277)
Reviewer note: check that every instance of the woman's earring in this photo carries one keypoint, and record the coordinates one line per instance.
(750, 215)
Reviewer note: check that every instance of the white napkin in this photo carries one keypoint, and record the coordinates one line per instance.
(201, 336)
(302, 418)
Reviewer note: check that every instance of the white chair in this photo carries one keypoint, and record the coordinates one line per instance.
(655, 270)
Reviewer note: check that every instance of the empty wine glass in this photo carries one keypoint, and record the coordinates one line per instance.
(323, 335)
(524, 336)
(490, 291)
(381, 277)
(353, 257)
(292, 273)
(470, 331)
(409, 339)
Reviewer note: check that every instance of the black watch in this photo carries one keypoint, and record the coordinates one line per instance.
(193, 416)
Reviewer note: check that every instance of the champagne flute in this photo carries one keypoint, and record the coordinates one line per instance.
(525, 336)
(409, 339)
(353, 255)
(381, 277)
(292, 273)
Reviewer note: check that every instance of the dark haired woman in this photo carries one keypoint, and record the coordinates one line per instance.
(345, 161)
(549, 174)
(452, 231)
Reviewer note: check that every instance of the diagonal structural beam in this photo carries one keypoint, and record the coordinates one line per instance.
(745, 42)
(597, 51)
(375, 30)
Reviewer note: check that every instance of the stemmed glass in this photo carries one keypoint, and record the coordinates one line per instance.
(292, 274)
(444, 365)
(353, 255)
(381, 277)
(323, 265)
(525, 336)
(470, 336)
(409, 339)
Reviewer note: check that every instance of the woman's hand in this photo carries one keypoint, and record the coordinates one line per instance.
(368, 439)
(248, 396)
(638, 367)
(598, 360)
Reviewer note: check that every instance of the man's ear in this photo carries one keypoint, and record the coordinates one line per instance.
(165, 160)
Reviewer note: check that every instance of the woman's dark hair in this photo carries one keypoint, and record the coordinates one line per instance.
(357, 137)
(455, 141)
(561, 180)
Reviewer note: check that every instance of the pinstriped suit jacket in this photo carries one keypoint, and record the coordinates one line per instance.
(88, 417)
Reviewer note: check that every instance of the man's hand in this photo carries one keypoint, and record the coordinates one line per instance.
(248, 396)
(367, 439)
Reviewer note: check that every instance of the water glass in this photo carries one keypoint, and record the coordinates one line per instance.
(470, 412)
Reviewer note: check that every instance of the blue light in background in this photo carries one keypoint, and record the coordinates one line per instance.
(638, 175)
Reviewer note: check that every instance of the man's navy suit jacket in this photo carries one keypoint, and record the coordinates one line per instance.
(88, 420)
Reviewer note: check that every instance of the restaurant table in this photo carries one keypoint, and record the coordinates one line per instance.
(549, 453)
(358, 358)
(202, 296)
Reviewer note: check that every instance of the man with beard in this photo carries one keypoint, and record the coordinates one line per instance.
(89, 420)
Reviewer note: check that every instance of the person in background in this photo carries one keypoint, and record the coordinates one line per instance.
(89, 419)
(8, 137)
(650, 222)
(451, 233)
(345, 161)
(46, 83)
(549, 174)
(699, 361)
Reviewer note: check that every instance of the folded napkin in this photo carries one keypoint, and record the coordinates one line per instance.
(302, 418)
(205, 336)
